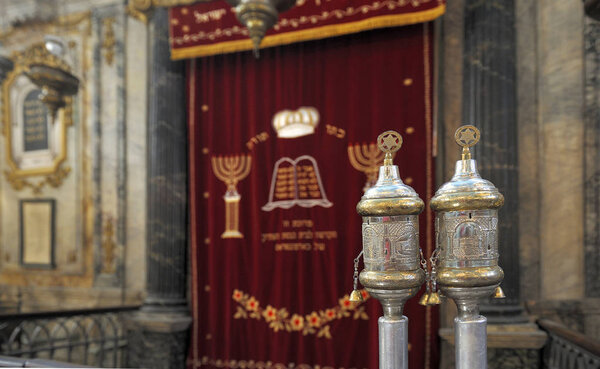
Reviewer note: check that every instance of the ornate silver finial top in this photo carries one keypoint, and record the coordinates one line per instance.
(389, 142)
(467, 136)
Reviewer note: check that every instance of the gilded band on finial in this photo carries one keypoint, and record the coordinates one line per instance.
(389, 142)
(467, 136)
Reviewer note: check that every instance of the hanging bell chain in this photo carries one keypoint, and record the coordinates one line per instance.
(434, 297)
(356, 296)
(425, 298)
(423, 263)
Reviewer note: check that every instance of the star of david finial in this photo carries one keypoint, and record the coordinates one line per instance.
(467, 136)
(389, 142)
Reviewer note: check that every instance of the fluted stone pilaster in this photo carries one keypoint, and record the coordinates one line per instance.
(167, 172)
(592, 158)
(159, 333)
(489, 102)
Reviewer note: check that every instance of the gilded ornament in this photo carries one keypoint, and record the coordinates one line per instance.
(109, 41)
(55, 179)
(366, 158)
(231, 170)
(258, 16)
(108, 247)
(38, 64)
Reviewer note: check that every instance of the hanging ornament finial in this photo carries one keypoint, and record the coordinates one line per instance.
(258, 16)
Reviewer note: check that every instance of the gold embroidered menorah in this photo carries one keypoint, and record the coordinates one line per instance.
(366, 158)
(231, 170)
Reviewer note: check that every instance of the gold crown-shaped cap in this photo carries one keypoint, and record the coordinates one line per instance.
(296, 123)
(390, 196)
(467, 190)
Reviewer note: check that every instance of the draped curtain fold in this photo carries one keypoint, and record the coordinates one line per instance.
(274, 229)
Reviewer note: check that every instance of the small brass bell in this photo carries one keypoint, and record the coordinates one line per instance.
(356, 296)
(424, 299)
(499, 293)
(434, 299)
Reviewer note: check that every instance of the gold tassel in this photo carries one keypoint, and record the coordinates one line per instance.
(434, 299)
(499, 293)
(424, 299)
(356, 296)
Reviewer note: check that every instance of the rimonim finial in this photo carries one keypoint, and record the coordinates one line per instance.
(389, 142)
(466, 136)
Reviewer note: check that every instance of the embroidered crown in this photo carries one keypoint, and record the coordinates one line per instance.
(296, 123)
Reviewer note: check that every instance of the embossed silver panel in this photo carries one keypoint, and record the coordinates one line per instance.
(391, 243)
(467, 238)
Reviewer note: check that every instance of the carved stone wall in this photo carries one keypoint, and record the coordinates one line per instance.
(99, 225)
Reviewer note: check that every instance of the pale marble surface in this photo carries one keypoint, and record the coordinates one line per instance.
(528, 144)
(137, 57)
(560, 88)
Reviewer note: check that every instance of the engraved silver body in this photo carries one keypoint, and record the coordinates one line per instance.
(391, 243)
(467, 238)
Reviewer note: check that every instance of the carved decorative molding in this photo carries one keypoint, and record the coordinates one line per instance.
(109, 42)
(108, 246)
(45, 149)
(141, 9)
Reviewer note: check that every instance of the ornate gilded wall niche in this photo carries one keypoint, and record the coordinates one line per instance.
(36, 140)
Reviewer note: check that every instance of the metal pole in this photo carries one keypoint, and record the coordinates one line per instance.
(393, 342)
(470, 342)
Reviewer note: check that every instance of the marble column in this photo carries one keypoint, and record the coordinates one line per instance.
(167, 173)
(489, 90)
(159, 334)
(591, 116)
(592, 158)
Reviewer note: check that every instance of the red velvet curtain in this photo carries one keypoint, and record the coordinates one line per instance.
(273, 222)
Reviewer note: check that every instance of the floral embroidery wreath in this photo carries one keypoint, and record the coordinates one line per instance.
(317, 322)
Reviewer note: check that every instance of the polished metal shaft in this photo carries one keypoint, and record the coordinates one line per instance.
(470, 342)
(393, 342)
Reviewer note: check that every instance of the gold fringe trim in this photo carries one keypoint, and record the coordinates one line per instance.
(311, 34)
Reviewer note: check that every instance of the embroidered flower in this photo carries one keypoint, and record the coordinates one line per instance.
(365, 295)
(297, 322)
(252, 304)
(317, 322)
(313, 319)
(345, 303)
(330, 313)
(270, 313)
(237, 295)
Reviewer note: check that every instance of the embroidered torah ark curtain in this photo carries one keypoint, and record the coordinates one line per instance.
(211, 27)
(274, 225)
